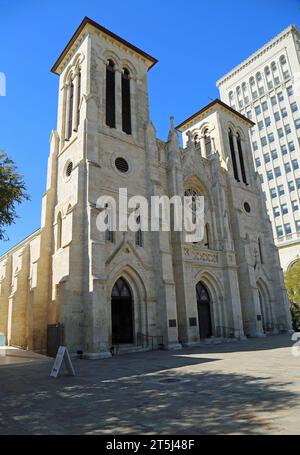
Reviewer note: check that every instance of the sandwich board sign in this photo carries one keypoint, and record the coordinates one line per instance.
(62, 355)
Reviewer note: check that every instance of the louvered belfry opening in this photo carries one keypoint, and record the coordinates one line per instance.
(126, 107)
(233, 157)
(243, 170)
(110, 95)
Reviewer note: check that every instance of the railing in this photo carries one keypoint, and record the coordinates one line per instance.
(228, 332)
(153, 341)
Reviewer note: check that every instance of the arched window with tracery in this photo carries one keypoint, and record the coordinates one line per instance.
(197, 141)
(110, 95)
(207, 237)
(109, 233)
(233, 157)
(139, 241)
(126, 102)
(121, 289)
(190, 192)
(241, 157)
(260, 251)
(72, 101)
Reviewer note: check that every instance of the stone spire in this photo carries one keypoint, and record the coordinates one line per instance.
(190, 144)
(173, 136)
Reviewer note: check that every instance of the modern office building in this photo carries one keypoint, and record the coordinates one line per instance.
(266, 89)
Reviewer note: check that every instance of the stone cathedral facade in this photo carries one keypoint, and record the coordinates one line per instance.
(112, 287)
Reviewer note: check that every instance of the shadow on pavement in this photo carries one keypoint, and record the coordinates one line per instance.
(139, 394)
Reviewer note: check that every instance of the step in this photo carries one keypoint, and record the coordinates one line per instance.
(12, 351)
(127, 349)
(219, 340)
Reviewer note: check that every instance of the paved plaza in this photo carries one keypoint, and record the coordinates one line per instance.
(247, 387)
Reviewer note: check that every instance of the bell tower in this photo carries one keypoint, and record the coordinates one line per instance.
(105, 140)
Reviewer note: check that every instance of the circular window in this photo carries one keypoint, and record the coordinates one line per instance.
(69, 169)
(247, 207)
(122, 165)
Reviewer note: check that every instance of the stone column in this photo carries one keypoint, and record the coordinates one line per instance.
(202, 146)
(213, 145)
(76, 100)
(164, 274)
(233, 299)
(98, 329)
(190, 144)
(102, 94)
(18, 299)
(259, 311)
(67, 111)
(133, 106)
(118, 88)
(5, 285)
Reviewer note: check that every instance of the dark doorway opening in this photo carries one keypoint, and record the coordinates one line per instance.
(204, 316)
(122, 313)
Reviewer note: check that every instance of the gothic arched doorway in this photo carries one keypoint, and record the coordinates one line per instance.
(204, 316)
(121, 313)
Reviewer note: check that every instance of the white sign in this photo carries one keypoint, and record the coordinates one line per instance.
(62, 354)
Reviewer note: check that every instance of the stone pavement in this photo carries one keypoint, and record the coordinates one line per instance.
(247, 387)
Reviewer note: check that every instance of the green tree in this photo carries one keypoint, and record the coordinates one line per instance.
(12, 192)
(292, 282)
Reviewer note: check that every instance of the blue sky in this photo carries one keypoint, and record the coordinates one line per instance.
(196, 42)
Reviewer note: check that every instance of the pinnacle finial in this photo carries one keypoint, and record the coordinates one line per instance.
(172, 122)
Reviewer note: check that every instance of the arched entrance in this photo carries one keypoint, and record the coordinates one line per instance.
(264, 309)
(204, 315)
(121, 313)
